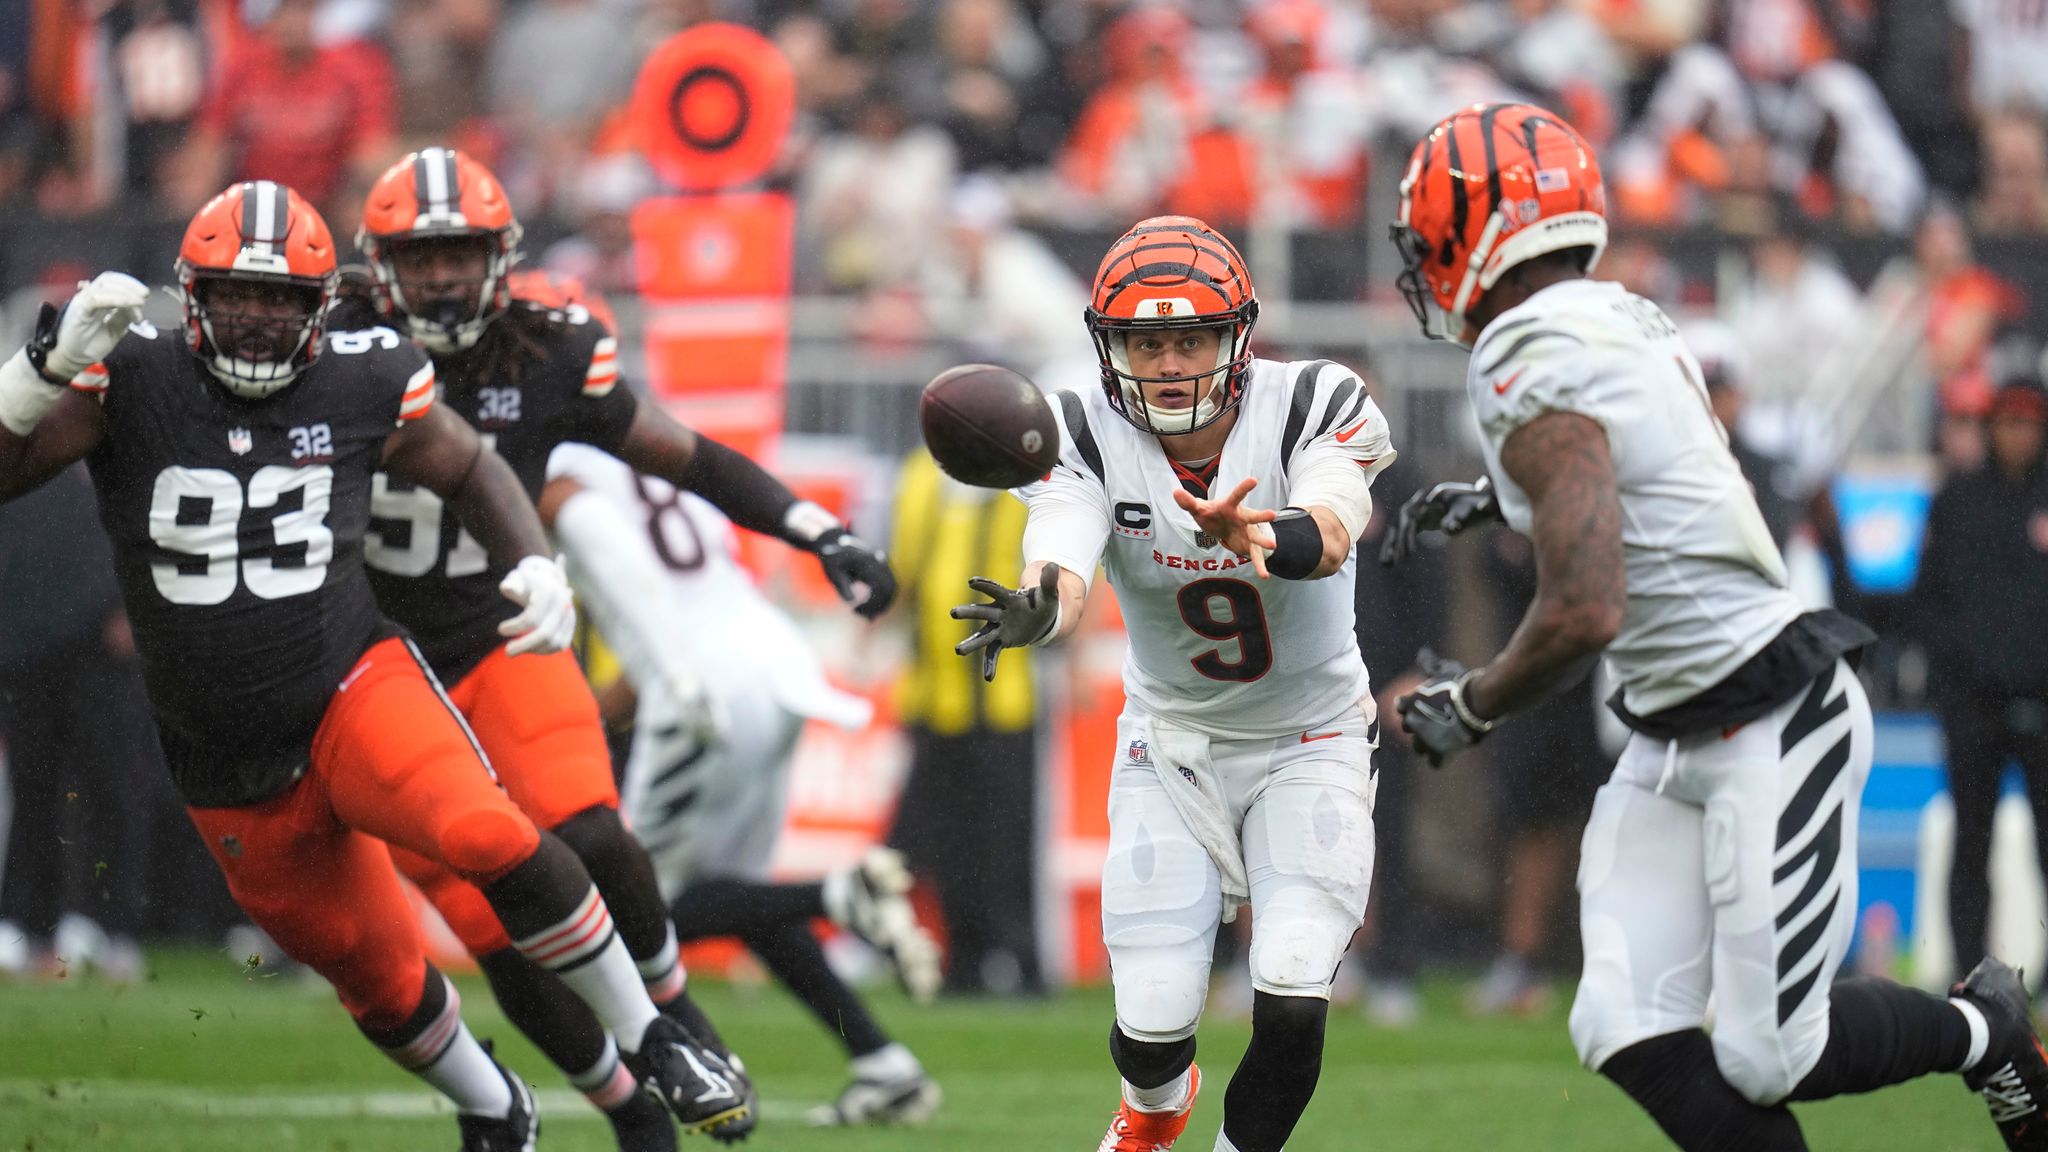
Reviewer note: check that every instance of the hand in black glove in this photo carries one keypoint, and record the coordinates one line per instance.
(1449, 508)
(1437, 718)
(1015, 619)
(849, 560)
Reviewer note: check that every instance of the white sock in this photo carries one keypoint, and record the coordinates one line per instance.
(446, 1056)
(1171, 1096)
(611, 985)
(1980, 1032)
(663, 972)
(606, 1083)
(588, 955)
(1223, 1143)
(892, 1062)
(466, 1075)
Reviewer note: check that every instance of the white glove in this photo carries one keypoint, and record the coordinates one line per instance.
(94, 321)
(548, 622)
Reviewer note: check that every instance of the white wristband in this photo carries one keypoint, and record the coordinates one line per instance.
(25, 396)
(807, 521)
(1059, 611)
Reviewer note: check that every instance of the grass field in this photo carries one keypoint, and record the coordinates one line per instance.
(201, 1059)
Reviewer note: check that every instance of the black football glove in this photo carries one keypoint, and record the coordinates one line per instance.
(849, 560)
(1015, 619)
(1435, 714)
(1449, 508)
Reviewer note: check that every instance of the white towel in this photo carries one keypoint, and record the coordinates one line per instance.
(1181, 759)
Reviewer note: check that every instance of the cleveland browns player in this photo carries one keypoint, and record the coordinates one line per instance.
(441, 240)
(233, 461)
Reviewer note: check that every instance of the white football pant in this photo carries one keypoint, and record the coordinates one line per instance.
(1724, 864)
(1302, 805)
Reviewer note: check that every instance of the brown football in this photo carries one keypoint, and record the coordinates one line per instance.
(989, 427)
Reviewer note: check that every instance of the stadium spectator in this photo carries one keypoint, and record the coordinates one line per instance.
(155, 65)
(1966, 308)
(441, 53)
(1302, 122)
(556, 69)
(1005, 295)
(2012, 197)
(1978, 608)
(975, 85)
(867, 198)
(318, 118)
(968, 815)
(600, 252)
(1147, 141)
(1914, 51)
(2007, 54)
(1795, 301)
(80, 745)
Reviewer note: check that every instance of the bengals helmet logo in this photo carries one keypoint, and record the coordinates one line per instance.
(1164, 307)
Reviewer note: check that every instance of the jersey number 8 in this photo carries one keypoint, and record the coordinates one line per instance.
(1228, 610)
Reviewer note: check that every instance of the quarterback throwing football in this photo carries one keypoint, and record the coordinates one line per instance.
(1720, 858)
(1243, 769)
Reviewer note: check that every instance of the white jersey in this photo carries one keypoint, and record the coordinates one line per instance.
(1706, 586)
(739, 643)
(1212, 647)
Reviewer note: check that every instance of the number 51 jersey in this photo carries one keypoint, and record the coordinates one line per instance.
(237, 528)
(1211, 646)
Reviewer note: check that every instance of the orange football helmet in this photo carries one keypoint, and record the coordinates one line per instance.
(1489, 187)
(1173, 272)
(441, 196)
(256, 234)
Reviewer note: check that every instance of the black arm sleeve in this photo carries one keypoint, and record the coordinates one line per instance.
(743, 490)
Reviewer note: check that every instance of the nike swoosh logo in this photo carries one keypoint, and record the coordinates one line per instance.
(1308, 739)
(1501, 388)
(1345, 436)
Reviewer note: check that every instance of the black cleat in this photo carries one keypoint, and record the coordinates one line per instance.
(733, 1067)
(515, 1132)
(701, 1090)
(2013, 1075)
(641, 1124)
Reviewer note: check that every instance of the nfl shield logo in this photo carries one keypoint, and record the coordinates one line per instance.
(1204, 540)
(239, 441)
(1140, 752)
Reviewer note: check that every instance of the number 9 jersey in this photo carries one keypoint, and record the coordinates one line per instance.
(238, 533)
(1212, 647)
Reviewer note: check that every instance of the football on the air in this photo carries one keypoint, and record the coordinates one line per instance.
(989, 427)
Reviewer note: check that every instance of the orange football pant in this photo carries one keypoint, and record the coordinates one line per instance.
(392, 763)
(538, 723)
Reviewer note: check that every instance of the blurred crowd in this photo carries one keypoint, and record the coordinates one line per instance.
(1857, 113)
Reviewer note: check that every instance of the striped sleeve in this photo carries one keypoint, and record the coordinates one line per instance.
(92, 379)
(603, 374)
(419, 394)
(1528, 366)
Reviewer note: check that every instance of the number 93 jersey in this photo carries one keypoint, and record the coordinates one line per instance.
(1706, 586)
(1212, 647)
(238, 528)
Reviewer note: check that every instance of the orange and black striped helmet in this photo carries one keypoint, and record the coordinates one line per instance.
(260, 232)
(1173, 272)
(1489, 187)
(434, 195)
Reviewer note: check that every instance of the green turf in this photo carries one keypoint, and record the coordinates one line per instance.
(202, 1059)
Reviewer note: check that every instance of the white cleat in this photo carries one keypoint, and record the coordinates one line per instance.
(903, 1101)
(872, 900)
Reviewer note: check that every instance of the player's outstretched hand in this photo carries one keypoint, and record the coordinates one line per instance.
(1449, 508)
(547, 622)
(1245, 531)
(1014, 618)
(1435, 714)
(93, 321)
(849, 561)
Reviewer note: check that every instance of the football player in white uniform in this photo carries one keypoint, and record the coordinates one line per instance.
(1720, 858)
(723, 682)
(1244, 752)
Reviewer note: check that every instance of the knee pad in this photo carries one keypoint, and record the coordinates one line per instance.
(1298, 939)
(484, 844)
(1296, 1021)
(1146, 1063)
(1759, 1066)
(1160, 902)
